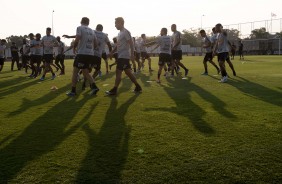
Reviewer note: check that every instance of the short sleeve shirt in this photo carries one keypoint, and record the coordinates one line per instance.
(85, 45)
(49, 42)
(165, 44)
(176, 37)
(122, 44)
(102, 39)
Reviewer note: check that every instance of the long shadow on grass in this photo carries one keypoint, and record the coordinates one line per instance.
(27, 104)
(257, 91)
(40, 137)
(108, 150)
(178, 90)
(15, 85)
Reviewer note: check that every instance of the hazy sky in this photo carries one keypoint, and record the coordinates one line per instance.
(20, 17)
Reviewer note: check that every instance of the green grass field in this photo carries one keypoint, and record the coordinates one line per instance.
(180, 131)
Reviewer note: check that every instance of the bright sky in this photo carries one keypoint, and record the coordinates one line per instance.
(20, 17)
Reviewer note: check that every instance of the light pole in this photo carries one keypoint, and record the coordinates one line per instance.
(53, 22)
(202, 21)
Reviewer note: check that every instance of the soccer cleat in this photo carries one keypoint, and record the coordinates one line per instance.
(205, 73)
(111, 92)
(53, 77)
(70, 93)
(224, 79)
(42, 78)
(186, 72)
(137, 89)
(94, 91)
(158, 81)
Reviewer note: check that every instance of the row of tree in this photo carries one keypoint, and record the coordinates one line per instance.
(191, 37)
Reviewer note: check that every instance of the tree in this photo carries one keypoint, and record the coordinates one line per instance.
(259, 34)
(191, 38)
(17, 39)
(232, 35)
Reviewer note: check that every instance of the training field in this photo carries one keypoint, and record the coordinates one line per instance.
(192, 130)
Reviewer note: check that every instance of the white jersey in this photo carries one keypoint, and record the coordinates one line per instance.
(37, 48)
(142, 45)
(26, 49)
(49, 42)
(176, 37)
(85, 45)
(2, 51)
(32, 49)
(165, 44)
(61, 47)
(222, 44)
(137, 47)
(213, 38)
(102, 40)
(123, 46)
(207, 41)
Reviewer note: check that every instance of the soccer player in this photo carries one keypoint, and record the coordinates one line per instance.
(241, 47)
(102, 40)
(208, 57)
(233, 50)
(15, 56)
(25, 55)
(164, 42)
(137, 54)
(60, 58)
(83, 48)
(2, 53)
(124, 44)
(48, 42)
(222, 50)
(36, 57)
(115, 53)
(176, 48)
(32, 54)
(144, 54)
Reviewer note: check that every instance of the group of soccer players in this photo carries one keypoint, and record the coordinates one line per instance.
(89, 48)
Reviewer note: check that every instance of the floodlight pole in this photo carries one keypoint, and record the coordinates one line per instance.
(202, 21)
(53, 22)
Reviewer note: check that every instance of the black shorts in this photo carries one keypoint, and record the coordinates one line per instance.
(15, 58)
(144, 55)
(96, 63)
(208, 57)
(176, 54)
(164, 58)
(223, 56)
(104, 56)
(2, 60)
(48, 58)
(123, 64)
(35, 59)
(60, 57)
(116, 56)
(25, 59)
(137, 55)
(82, 61)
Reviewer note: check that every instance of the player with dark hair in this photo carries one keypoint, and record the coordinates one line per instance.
(15, 56)
(241, 47)
(60, 58)
(176, 49)
(2, 53)
(83, 48)
(144, 53)
(208, 57)
(48, 42)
